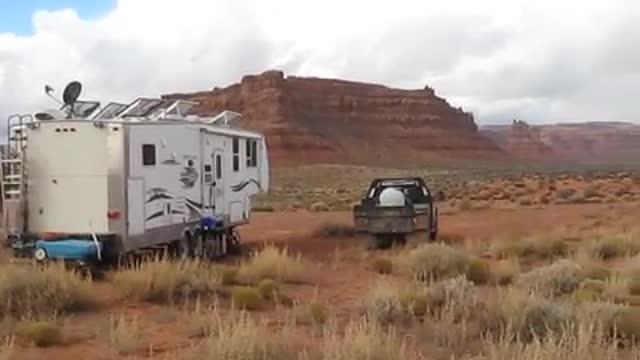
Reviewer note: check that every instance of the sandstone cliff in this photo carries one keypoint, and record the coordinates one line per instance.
(313, 120)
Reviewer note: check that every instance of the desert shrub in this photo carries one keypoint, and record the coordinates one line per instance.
(382, 304)
(627, 324)
(560, 278)
(228, 276)
(565, 194)
(124, 336)
(465, 204)
(634, 286)
(590, 191)
(382, 265)
(164, 281)
(40, 333)
(456, 295)
(31, 292)
(525, 201)
(246, 298)
(319, 206)
(513, 248)
(334, 230)
(590, 290)
(586, 342)
(504, 271)
(479, 271)
(272, 263)
(268, 289)
(414, 303)
(240, 337)
(436, 261)
(551, 248)
(526, 315)
(315, 313)
(615, 246)
(262, 208)
(364, 340)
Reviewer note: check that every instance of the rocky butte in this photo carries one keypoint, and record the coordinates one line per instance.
(329, 121)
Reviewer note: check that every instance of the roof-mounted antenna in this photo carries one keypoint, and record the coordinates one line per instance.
(48, 89)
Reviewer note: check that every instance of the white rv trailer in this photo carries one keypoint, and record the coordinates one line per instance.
(118, 179)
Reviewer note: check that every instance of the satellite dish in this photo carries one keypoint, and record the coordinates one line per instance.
(71, 93)
(50, 114)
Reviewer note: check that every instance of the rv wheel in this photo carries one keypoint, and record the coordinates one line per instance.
(233, 245)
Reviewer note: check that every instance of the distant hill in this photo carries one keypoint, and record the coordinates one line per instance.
(589, 142)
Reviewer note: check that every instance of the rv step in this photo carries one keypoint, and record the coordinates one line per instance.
(12, 177)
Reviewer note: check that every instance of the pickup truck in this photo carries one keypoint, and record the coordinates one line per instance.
(393, 208)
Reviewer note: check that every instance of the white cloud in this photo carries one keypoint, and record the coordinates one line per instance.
(542, 61)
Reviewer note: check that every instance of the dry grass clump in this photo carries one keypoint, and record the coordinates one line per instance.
(272, 263)
(315, 313)
(543, 248)
(40, 333)
(7, 349)
(240, 337)
(382, 265)
(587, 342)
(526, 315)
(124, 336)
(382, 304)
(31, 292)
(164, 281)
(364, 340)
(504, 271)
(615, 246)
(246, 298)
(479, 271)
(509, 248)
(334, 230)
(434, 261)
(268, 289)
(228, 276)
(560, 278)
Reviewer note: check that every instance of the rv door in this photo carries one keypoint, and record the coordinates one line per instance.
(218, 184)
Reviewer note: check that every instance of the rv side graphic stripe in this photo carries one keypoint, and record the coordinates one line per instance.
(155, 215)
(194, 203)
(158, 196)
(243, 184)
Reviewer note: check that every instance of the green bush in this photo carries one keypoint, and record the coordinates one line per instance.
(479, 271)
(41, 333)
(246, 298)
(268, 289)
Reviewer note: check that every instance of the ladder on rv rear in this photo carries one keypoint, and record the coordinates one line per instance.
(13, 176)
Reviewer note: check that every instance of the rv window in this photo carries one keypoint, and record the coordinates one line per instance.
(148, 154)
(218, 167)
(236, 154)
(252, 153)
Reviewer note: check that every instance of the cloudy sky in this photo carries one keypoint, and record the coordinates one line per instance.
(540, 61)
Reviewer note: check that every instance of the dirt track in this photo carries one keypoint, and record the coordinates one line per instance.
(295, 228)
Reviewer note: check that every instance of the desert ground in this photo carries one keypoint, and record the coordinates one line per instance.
(528, 265)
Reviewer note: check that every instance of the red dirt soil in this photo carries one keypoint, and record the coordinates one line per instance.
(342, 280)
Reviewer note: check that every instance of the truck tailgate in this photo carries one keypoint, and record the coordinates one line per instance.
(384, 219)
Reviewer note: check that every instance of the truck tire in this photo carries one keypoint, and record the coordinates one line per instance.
(383, 241)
